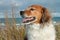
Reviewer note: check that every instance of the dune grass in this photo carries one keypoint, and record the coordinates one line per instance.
(57, 27)
(12, 32)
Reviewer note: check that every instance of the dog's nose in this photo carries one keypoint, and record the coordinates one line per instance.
(21, 12)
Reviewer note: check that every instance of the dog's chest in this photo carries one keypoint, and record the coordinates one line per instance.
(36, 32)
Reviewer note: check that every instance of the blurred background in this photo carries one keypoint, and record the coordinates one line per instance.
(15, 6)
(11, 27)
(52, 5)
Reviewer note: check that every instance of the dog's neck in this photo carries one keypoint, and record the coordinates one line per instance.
(33, 25)
(36, 32)
(36, 26)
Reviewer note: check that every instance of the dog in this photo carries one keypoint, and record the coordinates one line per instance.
(38, 23)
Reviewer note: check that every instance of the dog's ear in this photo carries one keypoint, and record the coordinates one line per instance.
(45, 15)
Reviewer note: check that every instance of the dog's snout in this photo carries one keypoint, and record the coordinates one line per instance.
(21, 12)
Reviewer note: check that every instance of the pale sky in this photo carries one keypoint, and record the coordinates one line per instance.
(52, 5)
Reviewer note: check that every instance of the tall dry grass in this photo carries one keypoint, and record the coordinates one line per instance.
(57, 27)
(11, 32)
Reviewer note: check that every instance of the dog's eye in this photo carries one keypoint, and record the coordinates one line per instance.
(32, 9)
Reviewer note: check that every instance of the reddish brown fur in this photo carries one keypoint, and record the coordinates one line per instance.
(38, 13)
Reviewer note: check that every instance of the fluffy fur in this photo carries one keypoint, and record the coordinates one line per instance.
(36, 32)
(41, 28)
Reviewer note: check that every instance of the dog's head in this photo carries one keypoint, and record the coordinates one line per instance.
(35, 14)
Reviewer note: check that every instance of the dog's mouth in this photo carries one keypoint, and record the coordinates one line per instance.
(28, 19)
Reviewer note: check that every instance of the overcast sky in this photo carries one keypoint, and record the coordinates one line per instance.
(52, 5)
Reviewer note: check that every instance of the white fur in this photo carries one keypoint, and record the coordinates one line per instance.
(38, 32)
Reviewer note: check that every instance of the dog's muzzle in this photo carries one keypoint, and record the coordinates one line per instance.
(26, 19)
